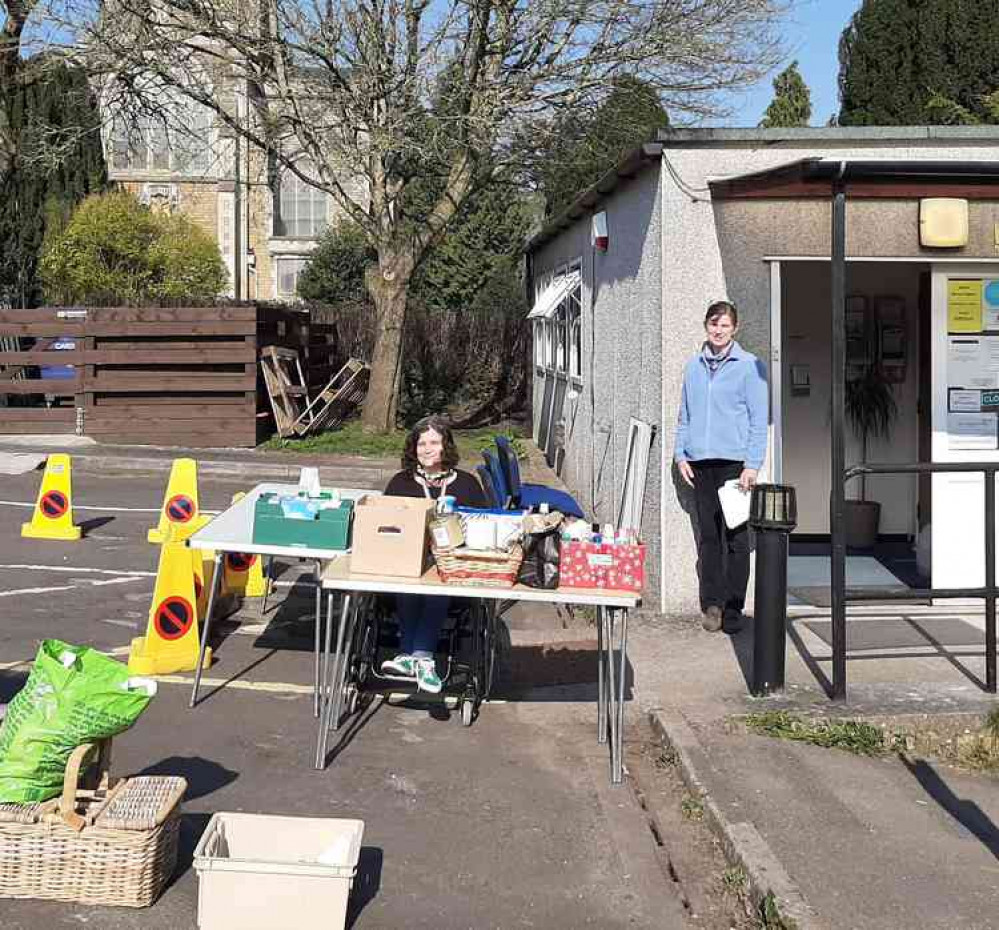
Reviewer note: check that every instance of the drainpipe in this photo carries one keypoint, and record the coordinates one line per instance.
(837, 497)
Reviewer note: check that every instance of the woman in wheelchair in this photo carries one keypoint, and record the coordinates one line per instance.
(429, 469)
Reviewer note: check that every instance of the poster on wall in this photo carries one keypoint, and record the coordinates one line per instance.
(964, 306)
(973, 431)
(990, 306)
(973, 364)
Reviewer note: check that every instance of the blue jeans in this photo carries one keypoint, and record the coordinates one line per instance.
(420, 621)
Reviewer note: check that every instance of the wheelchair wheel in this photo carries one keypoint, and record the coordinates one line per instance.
(351, 698)
(467, 712)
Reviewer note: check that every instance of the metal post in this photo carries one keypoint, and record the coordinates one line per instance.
(769, 611)
(838, 457)
(990, 580)
(237, 232)
(318, 633)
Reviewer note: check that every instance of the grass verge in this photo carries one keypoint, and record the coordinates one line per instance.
(351, 439)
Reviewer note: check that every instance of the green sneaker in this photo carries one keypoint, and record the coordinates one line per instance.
(400, 665)
(427, 678)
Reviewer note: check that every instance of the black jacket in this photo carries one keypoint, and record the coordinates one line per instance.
(465, 489)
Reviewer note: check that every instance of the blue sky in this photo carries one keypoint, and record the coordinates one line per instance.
(811, 33)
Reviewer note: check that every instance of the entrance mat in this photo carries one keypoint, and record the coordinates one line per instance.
(899, 633)
(818, 596)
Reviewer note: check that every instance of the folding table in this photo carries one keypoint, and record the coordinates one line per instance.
(232, 531)
(337, 577)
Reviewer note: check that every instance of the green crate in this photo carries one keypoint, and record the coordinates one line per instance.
(330, 529)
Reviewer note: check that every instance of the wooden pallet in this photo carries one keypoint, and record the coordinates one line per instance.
(335, 402)
(285, 385)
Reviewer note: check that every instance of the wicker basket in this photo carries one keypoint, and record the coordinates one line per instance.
(115, 845)
(490, 567)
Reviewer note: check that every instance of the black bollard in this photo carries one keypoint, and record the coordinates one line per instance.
(773, 514)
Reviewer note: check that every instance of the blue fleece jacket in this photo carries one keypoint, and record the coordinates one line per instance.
(724, 415)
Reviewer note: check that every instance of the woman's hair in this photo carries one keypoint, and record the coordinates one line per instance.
(722, 308)
(437, 423)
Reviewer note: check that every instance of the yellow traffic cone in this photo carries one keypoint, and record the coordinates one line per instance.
(171, 642)
(243, 572)
(180, 504)
(53, 516)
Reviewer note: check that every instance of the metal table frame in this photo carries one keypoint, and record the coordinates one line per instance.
(232, 531)
(612, 633)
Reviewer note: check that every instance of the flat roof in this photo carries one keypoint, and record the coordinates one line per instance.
(639, 157)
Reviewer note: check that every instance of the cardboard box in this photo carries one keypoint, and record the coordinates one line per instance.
(391, 536)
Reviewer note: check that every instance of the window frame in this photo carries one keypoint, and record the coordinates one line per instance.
(279, 224)
(280, 260)
(181, 142)
(558, 341)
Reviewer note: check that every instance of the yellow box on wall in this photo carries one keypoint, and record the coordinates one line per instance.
(943, 222)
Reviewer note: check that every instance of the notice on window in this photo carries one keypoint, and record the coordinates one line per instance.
(990, 306)
(961, 401)
(964, 306)
(968, 363)
(972, 431)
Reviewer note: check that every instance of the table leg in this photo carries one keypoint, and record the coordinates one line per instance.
(345, 655)
(216, 584)
(601, 681)
(268, 565)
(318, 636)
(617, 760)
(609, 682)
(327, 697)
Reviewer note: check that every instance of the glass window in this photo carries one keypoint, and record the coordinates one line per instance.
(575, 326)
(539, 343)
(179, 139)
(301, 209)
(288, 270)
(559, 324)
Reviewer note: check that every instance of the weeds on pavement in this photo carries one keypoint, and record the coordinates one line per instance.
(851, 735)
(692, 808)
(770, 917)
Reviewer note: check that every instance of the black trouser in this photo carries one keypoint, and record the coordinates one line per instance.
(722, 554)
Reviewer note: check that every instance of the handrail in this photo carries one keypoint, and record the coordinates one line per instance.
(989, 592)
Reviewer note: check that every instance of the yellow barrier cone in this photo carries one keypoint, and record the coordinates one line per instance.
(180, 504)
(243, 572)
(53, 516)
(171, 642)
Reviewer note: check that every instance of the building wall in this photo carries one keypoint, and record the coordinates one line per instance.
(712, 250)
(622, 333)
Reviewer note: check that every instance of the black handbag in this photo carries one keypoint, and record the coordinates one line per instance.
(542, 553)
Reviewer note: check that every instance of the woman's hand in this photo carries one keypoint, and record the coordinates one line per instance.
(686, 472)
(747, 479)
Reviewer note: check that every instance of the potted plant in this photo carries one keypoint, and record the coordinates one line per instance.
(871, 410)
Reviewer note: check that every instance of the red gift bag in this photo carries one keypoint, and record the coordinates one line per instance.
(615, 566)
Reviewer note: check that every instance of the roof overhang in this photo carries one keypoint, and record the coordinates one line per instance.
(864, 178)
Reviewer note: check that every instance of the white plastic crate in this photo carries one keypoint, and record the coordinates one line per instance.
(258, 871)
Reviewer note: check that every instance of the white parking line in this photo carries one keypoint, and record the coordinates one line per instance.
(79, 570)
(30, 504)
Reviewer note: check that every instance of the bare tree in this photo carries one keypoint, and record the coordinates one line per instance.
(348, 85)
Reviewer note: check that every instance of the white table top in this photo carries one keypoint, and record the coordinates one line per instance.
(232, 530)
(337, 576)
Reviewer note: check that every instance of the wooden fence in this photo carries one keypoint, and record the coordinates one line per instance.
(179, 376)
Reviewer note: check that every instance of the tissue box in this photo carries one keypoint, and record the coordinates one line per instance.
(602, 565)
(330, 529)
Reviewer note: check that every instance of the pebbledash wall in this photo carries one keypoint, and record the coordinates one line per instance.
(672, 249)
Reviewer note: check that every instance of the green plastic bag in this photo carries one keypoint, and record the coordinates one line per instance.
(73, 695)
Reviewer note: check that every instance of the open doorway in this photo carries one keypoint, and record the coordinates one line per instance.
(885, 358)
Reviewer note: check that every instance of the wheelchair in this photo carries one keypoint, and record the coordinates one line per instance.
(466, 655)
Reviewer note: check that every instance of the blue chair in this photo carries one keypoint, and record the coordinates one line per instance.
(486, 480)
(529, 495)
(500, 486)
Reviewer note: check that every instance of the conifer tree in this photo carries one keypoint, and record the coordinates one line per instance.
(792, 103)
(908, 62)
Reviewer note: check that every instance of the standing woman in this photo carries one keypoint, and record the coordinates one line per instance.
(429, 469)
(721, 435)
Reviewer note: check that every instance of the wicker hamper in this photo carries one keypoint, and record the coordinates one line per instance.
(114, 845)
(495, 568)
